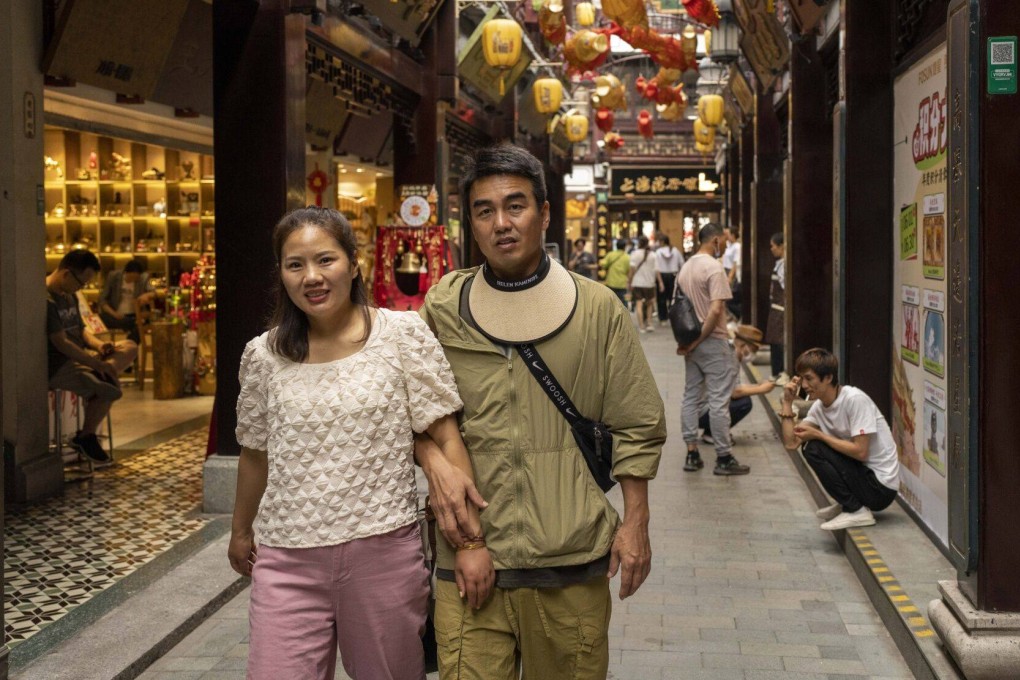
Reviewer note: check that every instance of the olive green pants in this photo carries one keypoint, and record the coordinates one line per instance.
(528, 633)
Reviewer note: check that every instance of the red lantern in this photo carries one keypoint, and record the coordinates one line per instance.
(604, 119)
(644, 124)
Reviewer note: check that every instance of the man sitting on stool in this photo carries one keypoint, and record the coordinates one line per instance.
(846, 439)
(124, 293)
(78, 361)
(745, 346)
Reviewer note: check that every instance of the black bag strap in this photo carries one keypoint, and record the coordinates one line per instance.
(677, 290)
(549, 384)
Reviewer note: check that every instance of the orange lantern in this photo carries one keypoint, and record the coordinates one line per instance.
(703, 134)
(548, 94)
(501, 46)
(710, 109)
(576, 126)
(552, 23)
(584, 12)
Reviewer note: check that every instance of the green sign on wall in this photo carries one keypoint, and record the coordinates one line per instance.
(1002, 65)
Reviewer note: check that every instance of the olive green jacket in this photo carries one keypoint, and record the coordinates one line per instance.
(545, 509)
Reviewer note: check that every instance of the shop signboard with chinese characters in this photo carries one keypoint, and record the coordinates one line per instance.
(918, 235)
(663, 183)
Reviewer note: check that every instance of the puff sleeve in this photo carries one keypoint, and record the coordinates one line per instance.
(252, 403)
(431, 387)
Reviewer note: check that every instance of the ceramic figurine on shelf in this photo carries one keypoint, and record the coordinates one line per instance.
(159, 208)
(53, 166)
(153, 173)
(188, 167)
(83, 175)
(121, 166)
(93, 164)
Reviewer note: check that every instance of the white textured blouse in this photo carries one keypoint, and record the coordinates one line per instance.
(339, 435)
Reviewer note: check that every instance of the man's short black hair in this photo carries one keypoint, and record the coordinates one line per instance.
(502, 159)
(664, 240)
(134, 266)
(621, 244)
(821, 361)
(79, 261)
(709, 232)
(580, 242)
(777, 238)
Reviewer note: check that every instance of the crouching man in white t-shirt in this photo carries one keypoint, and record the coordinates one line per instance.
(846, 441)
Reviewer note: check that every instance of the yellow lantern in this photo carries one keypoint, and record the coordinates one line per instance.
(703, 148)
(548, 94)
(576, 126)
(710, 109)
(708, 42)
(703, 134)
(584, 12)
(501, 45)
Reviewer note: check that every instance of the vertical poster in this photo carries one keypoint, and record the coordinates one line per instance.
(918, 226)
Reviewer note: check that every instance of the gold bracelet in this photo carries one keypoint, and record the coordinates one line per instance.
(790, 416)
(474, 545)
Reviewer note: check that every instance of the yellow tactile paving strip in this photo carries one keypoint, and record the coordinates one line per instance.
(911, 615)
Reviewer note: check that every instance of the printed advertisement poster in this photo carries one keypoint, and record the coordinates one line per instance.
(918, 233)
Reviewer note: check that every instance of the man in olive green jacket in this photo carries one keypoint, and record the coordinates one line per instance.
(548, 531)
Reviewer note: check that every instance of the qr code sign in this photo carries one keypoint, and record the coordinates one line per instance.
(1003, 53)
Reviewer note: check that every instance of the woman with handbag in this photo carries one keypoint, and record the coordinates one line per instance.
(331, 397)
(617, 267)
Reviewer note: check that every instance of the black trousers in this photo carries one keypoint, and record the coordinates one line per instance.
(850, 482)
(125, 324)
(662, 297)
(739, 408)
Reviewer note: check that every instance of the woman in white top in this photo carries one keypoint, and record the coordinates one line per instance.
(330, 400)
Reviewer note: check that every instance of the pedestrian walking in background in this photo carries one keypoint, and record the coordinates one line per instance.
(731, 263)
(330, 399)
(846, 441)
(581, 261)
(554, 537)
(777, 312)
(708, 361)
(643, 280)
(617, 266)
(668, 260)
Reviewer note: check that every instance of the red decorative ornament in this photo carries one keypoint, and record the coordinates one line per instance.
(604, 119)
(613, 141)
(317, 183)
(703, 11)
(644, 124)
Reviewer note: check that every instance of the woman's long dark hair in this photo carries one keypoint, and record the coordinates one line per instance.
(290, 335)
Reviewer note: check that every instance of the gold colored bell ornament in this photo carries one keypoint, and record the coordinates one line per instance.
(689, 43)
(588, 45)
(501, 46)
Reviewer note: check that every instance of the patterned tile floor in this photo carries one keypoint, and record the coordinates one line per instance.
(61, 553)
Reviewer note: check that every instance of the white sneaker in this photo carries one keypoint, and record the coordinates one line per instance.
(849, 520)
(650, 328)
(829, 511)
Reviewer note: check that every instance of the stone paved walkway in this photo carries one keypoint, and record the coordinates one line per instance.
(744, 585)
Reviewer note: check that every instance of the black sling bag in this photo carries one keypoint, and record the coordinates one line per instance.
(593, 438)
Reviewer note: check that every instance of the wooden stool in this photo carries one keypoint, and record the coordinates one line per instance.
(144, 357)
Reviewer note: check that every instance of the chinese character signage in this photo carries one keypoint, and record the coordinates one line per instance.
(651, 183)
(920, 380)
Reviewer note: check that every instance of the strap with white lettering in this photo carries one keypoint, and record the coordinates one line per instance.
(548, 382)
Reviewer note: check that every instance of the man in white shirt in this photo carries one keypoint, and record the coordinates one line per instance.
(731, 263)
(846, 439)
